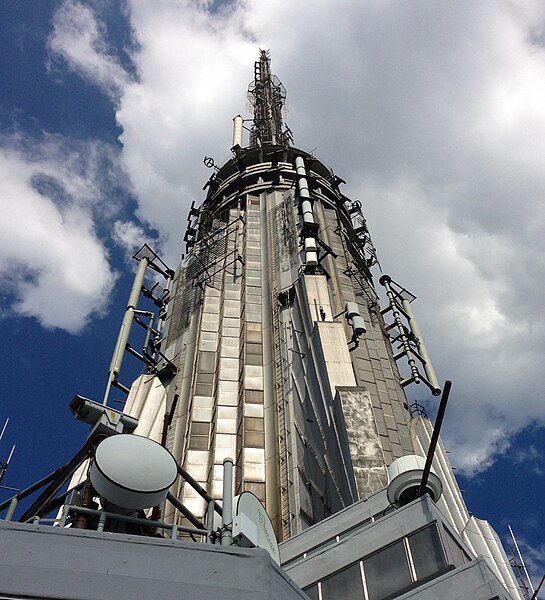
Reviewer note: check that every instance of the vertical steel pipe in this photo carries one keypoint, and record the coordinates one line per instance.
(125, 329)
(227, 506)
(422, 349)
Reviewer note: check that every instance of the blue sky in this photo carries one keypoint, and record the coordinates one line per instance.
(433, 114)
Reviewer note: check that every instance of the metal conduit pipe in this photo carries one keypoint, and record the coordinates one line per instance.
(422, 349)
(385, 281)
(125, 329)
(227, 516)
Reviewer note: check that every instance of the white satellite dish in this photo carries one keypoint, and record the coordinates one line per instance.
(132, 471)
(252, 522)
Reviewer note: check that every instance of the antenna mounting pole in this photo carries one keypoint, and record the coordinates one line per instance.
(267, 96)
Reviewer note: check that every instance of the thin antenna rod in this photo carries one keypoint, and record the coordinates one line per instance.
(534, 595)
(5, 464)
(4, 429)
(523, 564)
(435, 436)
(10, 455)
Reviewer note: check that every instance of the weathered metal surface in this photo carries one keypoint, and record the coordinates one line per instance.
(365, 447)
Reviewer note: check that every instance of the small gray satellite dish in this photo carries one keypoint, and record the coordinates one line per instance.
(248, 504)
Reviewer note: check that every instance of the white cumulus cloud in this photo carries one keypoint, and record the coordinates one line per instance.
(129, 236)
(52, 264)
(78, 37)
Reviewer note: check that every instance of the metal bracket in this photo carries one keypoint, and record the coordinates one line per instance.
(411, 342)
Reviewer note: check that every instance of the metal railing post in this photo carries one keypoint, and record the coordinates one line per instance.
(101, 522)
(209, 521)
(12, 508)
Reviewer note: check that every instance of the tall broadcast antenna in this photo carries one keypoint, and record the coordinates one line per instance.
(267, 97)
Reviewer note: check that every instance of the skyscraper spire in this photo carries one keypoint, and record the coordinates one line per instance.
(273, 375)
(267, 97)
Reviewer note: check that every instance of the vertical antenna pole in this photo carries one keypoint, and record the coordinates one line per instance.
(422, 348)
(5, 464)
(4, 429)
(435, 437)
(227, 507)
(123, 336)
(10, 455)
(385, 281)
(523, 564)
(267, 97)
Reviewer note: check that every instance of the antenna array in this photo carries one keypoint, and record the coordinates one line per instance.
(267, 97)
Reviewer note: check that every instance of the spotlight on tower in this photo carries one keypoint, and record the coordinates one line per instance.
(405, 475)
(355, 319)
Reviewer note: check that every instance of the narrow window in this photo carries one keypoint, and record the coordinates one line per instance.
(387, 571)
(345, 584)
(427, 552)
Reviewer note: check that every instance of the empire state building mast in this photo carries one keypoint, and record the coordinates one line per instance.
(267, 97)
(272, 406)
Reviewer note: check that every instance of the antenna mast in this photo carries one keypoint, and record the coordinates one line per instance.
(267, 96)
(522, 566)
(4, 464)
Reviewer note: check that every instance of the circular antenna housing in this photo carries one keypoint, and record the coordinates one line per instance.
(132, 471)
(405, 475)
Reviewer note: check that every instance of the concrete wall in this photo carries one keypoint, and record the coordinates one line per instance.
(49, 562)
(369, 526)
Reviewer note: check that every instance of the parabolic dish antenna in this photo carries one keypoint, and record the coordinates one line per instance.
(249, 505)
(132, 471)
